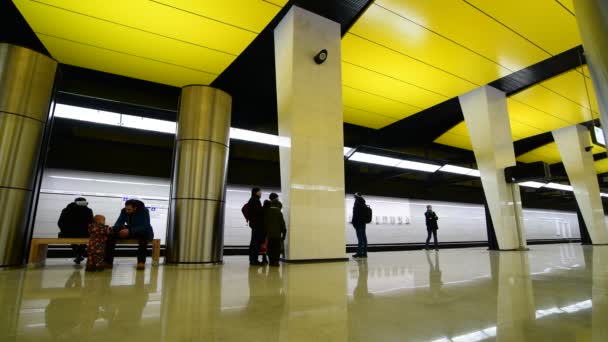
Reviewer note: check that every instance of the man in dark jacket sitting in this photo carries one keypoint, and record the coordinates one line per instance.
(274, 227)
(133, 223)
(74, 223)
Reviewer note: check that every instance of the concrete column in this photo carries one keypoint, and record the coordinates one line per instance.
(579, 166)
(26, 88)
(515, 312)
(196, 226)
(487, 119)
(592, 18)
(309, 98)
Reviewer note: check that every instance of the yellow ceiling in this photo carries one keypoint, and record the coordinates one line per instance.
(403, 56)
(561, 101)
(174, 42)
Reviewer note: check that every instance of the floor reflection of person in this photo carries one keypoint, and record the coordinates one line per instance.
(435, 282)
(62, 315)
(124, 307)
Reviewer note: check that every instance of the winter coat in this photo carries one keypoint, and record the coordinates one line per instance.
(431, 220)
(138, 223)
(359, 211)
(274, 223)
(74, 221)
(256, 213)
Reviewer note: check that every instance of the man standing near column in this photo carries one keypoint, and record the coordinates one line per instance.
(360, 219)
(254, 214)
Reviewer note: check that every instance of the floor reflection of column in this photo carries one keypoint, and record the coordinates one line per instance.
(599, 297)
(316, 303)
(190, 304)
(515, 311)
(10, 304)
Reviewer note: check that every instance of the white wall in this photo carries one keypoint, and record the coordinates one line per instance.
(396, 220)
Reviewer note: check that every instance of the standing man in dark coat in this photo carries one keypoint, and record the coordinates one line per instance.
(431, 226)
(275, 229)
(359, 223)
(254, 214)
(74, 223)
(133, 223)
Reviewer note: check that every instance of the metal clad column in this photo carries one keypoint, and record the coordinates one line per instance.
(26, 87)
(196, 226)
(592, 18)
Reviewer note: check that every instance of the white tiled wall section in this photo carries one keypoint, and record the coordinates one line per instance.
(396, 220)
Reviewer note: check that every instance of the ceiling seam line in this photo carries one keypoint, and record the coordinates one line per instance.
(396, 79)
(566, 8)
(384, 97)
(135, 28)
(202, 16)
(446, 38)
(375, 113)
(542, 111)
(272, 3)
(128, 54)
(509, 28)
(566, 98)
(415, 59)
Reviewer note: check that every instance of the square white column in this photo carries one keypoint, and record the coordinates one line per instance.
(487, 119)
(580, 168)
(309, 99)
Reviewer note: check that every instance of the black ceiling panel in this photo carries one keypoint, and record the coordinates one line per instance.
(15, 30)
(421, 128)
(541, 71)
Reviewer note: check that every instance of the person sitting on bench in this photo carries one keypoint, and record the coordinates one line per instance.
(74, 223)
(133, 223)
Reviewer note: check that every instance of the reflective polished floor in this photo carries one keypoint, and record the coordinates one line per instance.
(551, 293)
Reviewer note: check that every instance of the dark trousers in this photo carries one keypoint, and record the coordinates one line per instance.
(79, 251)
(428, 238)
(274, 250)
(142, 249)
(257, 238)
(361, 238)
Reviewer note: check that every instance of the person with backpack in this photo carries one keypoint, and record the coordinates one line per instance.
(431, 226)
(362, 214)
(275, 229)
(254, 214)
(74, 223)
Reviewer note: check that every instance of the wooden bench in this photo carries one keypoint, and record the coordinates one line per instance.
(40, 246)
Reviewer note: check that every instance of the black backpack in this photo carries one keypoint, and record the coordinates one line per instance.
(368, 214)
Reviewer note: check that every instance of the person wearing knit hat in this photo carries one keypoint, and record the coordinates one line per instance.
(74, 223)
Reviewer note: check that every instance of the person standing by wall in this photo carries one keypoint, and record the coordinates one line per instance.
(275, 228)
(254, 214)
(74, 223)
(361, 216)
(431, 226)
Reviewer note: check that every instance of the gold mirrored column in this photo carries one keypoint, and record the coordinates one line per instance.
(26, 87)
(196, 226)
